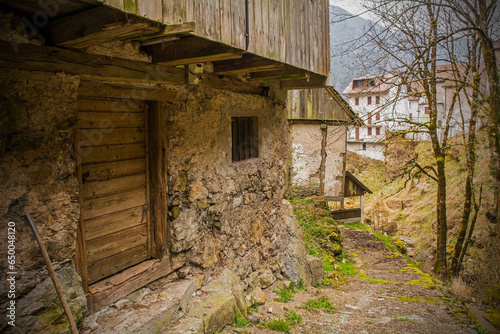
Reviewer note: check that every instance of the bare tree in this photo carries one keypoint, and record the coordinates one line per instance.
(481, 17)
(411, 39)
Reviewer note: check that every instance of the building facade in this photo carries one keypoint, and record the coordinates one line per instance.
(148, 138)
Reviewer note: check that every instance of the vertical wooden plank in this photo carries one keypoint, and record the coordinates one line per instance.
(246, 128)
(294, 27)
(251, 25)
(130, 6)
(308, 26)
(265, 28)
(80, 256)
(149, 228)
(282, 31)
(241, 138)
(226, 21)
(234, 136)
(179, 11)
(325, 52)
(238, 17)
(288, 29)
(259, 24)
(167, 12)
(157, 142)
(151, 9)
(189, 4)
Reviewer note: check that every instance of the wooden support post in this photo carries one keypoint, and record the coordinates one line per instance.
(362, 206)
(322, 166)
(158, 174)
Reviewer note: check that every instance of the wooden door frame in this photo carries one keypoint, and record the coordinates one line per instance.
(156, 186)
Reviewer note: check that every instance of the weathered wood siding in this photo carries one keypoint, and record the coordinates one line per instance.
(114, 191)
(315, 104)
(295, 32)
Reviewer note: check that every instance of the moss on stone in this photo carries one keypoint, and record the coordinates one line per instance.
(493, 316)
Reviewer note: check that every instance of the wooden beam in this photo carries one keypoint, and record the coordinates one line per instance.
(214, 81)
(274, 76)
(158, 147)
(246, 64)
(286, 73)
(112, 90)
(51, 59)
(169, 33)
(118, 286)
(313, 81)
(97, 26)
(190, 50)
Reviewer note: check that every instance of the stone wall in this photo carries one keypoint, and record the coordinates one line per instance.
(224, 213)
(335, 157)
(306, 159)
(37, 174)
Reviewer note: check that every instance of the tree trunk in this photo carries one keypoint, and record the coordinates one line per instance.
(494, 90)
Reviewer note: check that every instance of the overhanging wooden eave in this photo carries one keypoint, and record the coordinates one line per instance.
(90, 66)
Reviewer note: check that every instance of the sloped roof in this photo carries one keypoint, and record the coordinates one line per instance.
(322, 105)
(381, 84)
(357, 182)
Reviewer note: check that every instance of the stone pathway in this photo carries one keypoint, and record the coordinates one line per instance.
(386, 296)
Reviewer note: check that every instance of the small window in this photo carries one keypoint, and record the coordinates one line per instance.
(377, 131)
(356, 101)
(245, 138)
(364, 146)
(377, 99)
(369, 118)
(377, 116)
(369, 131)
(426, 110)
(369, 100)
(411, 116)
(357, 133)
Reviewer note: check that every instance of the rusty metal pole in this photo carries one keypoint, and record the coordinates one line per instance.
(52, 273)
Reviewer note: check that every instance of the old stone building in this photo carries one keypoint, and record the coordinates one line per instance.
(318, 122)
(148, 139)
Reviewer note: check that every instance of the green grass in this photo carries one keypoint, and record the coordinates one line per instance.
(321, 303)
(322, 237)
(346, 267)
(286, 294)
(293, 318)
(252, 309)
(405, 319)
(240, 321)
(279, 325)
(358, 226)
(362, 275)
(387, 241)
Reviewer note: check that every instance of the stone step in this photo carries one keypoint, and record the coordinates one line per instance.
(214, 307)
(148, 310)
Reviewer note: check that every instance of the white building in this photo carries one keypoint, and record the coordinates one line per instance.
(372, 98)
(386, 105)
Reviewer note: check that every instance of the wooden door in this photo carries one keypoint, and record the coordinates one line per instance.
(113, 158)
